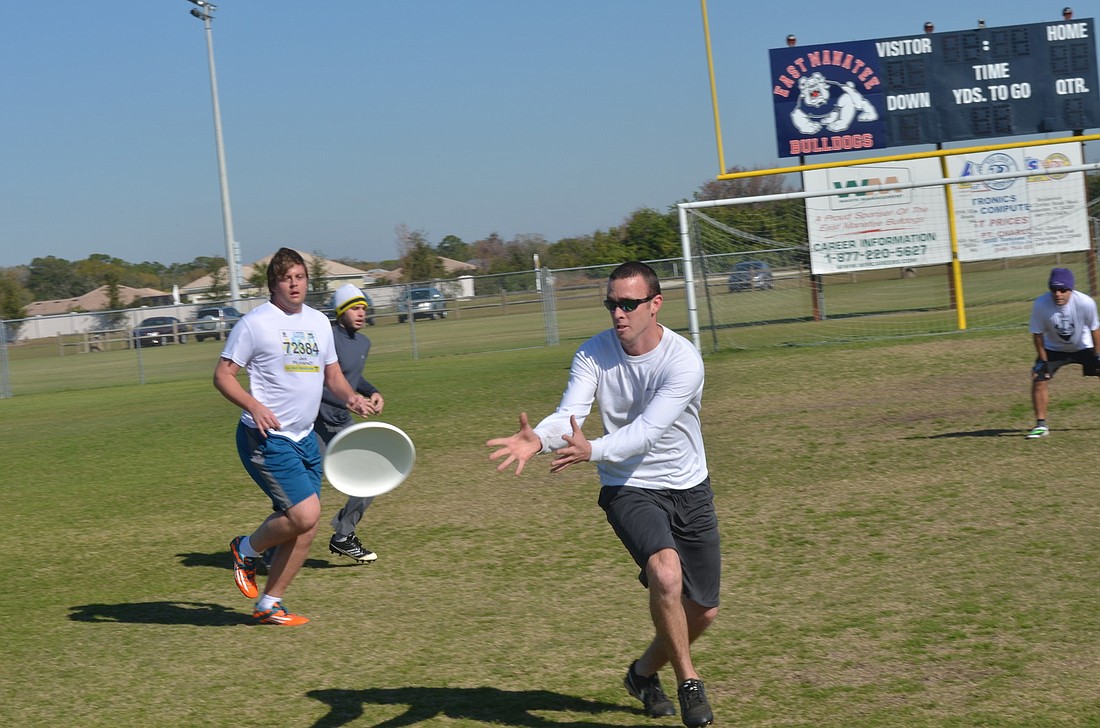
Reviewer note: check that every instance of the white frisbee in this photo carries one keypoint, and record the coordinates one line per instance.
(369, 459)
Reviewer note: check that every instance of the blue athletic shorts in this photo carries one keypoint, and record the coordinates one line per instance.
(289, 472)
(647, 521)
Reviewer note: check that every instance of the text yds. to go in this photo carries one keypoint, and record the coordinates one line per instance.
(978, 95)
(1004, 92)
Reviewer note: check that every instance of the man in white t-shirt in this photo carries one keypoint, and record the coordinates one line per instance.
(656, 492)
(1064, 328)
(287, 350)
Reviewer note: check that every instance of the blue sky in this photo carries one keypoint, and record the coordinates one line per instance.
(343, 119)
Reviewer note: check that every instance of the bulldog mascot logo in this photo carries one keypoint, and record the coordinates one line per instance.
(825, 104)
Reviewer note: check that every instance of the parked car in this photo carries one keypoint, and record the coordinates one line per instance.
(215, 322)
(322, 301)
(422, 302)
(751, 274)
(159, 330)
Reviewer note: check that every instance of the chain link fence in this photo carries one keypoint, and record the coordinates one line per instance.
(477, 314)
(744, 298)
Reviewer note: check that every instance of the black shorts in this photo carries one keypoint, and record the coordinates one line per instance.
(647, 521)
(1085, 357)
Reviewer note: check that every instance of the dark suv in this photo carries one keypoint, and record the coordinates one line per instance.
(751, 274)
(160, 330)
(214, 322)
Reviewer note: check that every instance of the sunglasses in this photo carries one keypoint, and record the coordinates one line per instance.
(1060, 290)
(627, 304)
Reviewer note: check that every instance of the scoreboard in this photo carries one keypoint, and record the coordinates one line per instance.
(935, 87)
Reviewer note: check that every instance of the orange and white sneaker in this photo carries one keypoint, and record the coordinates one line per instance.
(277, 614)
(244, 570)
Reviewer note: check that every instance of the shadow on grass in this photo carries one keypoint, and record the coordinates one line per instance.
(485, 705)
(971, 433)
(222, 560)
(196, 613)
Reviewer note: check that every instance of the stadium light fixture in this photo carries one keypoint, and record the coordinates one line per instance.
(205, 13)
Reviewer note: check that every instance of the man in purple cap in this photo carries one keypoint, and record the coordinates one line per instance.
(1065, 328)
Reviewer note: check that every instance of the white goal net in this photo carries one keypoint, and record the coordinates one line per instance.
(869, 272)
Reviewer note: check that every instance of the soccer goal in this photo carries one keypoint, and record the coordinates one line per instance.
(873, 254)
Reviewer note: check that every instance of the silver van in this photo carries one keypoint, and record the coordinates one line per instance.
(423, 302)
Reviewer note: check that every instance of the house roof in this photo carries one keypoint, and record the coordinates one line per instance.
(333, 270)
(91, 301)
(449, 265)
(456, 265)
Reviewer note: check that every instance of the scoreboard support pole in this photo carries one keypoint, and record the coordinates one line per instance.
(954, 268)
(713, 90)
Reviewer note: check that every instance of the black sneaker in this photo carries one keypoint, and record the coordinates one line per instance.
(266, 558)
(694, 708)
(648, 690)
(351, 548)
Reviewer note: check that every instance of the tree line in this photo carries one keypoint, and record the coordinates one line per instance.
(645, 234)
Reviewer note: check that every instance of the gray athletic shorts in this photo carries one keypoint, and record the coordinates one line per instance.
(647, 521)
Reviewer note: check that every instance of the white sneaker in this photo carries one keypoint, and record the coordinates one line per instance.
(1040, 431)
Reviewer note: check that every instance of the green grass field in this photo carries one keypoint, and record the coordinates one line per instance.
(895, 553)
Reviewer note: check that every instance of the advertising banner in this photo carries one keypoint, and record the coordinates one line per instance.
(857, 229)
(1044, 212)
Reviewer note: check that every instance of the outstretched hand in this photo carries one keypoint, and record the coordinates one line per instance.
(577, 450)
(518, 448)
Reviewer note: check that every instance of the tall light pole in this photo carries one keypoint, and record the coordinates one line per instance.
(205, 13)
